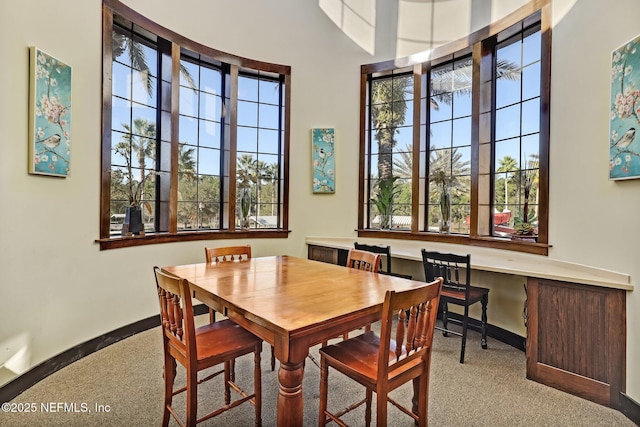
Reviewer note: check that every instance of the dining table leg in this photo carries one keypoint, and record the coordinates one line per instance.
(290, 401)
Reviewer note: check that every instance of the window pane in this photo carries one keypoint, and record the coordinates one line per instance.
(508, 122)
(531, 81)
(507, 91)
(247, 89)
(440, 135)
(439, 110)
(143, 88)
(268, 141)
(511, 53)
(507, 155)
(461, 104)
(531, 48)
(403, 138)
(208, 161)
(247, 113)
(210, 106)
(531, 116)
(121, 40)
(210, 81)
(147, 58)
(247, 139)
(121, 83)
(188, 129)
(188, 102)
(531, 145)
(269, 92)
(120, 113)
(268, 115)
(209, 134)
(191, 71)
(461, 132)
(187, 162)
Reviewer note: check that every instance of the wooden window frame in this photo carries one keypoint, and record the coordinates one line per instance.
(480, 44)
(236, 64)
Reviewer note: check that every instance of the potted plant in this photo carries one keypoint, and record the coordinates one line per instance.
(387, 191)
(246, 177)
(134, 180)
(444, 183)
(245, 205)
(523, 228)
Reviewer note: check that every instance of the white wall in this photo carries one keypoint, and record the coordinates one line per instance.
(58, 289)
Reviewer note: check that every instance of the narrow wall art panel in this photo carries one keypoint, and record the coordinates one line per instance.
(49, 115)
(324, 162)
(624, 114)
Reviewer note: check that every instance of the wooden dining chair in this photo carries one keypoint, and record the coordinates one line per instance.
(456, 289)
(363, 260)
(230, 254)
(360, 260)
(224, 254)
(383, 363)
(384, 251)
(201, 348)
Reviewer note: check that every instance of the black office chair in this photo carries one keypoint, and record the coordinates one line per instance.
(456, 289)
(383, 250)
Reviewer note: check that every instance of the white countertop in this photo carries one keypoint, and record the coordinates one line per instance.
(494, 260)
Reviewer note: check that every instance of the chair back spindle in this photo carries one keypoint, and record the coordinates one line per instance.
(176, 311)
(413, 336)
(363, 260)
(385, 253)
(228, 253)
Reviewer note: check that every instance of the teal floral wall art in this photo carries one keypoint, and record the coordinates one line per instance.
(49, 115)
(624, 130)
(324, 161)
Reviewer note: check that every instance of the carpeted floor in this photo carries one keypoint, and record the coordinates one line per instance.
(121, 385)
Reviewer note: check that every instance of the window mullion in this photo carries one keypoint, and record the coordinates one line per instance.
(230, 149)
(175, 111)
(417, 196)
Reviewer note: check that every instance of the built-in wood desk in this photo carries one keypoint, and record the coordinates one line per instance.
(576, 316)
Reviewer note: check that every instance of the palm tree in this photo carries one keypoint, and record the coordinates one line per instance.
(445, 168)
(123, 44)
(447, 80)
(404, 165)
(508, 165)
(388, 112)
(186, 162)
(139, 143)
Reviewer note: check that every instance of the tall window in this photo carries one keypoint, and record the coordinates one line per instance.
(200, 146)
(259, 161)
(517, 133)
(194, 138)
(474, 170)
(449, 136)
(133, 124)
(390, 144)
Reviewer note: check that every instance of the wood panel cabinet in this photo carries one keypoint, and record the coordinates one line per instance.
(327, 254)
(576, 338)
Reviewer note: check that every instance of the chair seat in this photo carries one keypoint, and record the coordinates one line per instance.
(475, 294)
(219, 341)
(223, 337)
(358, 358)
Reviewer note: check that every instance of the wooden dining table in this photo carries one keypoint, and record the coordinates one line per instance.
(293, 304)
